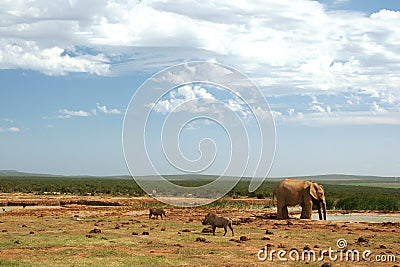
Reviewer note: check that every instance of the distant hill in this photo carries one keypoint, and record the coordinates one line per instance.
(18, 173)
(340, 178)
(326, 178)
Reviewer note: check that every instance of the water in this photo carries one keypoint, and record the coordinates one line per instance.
(9, 208)
(360, 218)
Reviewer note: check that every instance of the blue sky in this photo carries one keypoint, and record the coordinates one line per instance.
(329, 70)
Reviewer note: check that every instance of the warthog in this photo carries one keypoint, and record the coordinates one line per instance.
(157, 212)
(215, 221)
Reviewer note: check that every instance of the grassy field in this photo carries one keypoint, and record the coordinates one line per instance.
(379, 185)
(65, 236)
(367, 194)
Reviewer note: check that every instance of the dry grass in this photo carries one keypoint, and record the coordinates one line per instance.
(61, 237)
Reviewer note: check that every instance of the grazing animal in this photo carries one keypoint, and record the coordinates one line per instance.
(292, 192)
(215, 221)
(157, 212)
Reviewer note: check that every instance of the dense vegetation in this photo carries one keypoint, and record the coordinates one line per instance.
(345, 197)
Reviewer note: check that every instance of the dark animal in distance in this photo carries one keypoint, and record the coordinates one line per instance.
(215, 221)
(157, 212)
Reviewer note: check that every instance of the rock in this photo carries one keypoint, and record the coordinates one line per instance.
(268, 232)
(382, 246)
(200, 239)
(162, 229)
(31, 232)
(206, 230)
(306, 247)
(134, 233)
(95, 231)
(186, 230)
(362, 240)
(145, 233)
(265, 238)
(244, 238)
(327, 264)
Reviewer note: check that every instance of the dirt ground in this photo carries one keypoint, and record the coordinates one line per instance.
(116, 231)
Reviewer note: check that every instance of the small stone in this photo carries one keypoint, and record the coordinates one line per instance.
(95, 231)
(244, 238)
(200, 239)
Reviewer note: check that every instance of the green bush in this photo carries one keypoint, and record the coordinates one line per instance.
(360, 202)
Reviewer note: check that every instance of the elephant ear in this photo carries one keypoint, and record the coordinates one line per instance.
(314, 190)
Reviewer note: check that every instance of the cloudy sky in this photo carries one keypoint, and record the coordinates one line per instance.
(329, 70)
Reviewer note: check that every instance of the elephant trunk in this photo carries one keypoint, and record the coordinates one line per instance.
(324, 209)
(323, 204)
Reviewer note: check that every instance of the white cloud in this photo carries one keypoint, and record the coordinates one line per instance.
(10, 129)
(51, 61)
(105, 110)
(339, 118)
(377, 108)
(287, 47)
(318, 108)
(181, 96)
(67, 114)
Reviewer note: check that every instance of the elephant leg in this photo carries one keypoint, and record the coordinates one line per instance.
(303, 211)
(285, 212)
(279, 211)
(308, 209)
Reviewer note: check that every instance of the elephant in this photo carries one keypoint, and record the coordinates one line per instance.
(292, 192)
